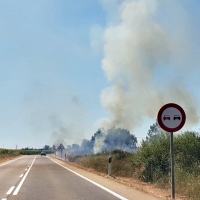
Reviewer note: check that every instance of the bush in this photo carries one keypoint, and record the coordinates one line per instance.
(187, 151)
(119, 154)
(155, 155)
(155, 158)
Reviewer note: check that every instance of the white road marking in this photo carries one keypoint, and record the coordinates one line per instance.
(23, 179)
(25, 169)
(21, 175)
(4, 199)
(10, 190)
(97, 184)
(11, 161)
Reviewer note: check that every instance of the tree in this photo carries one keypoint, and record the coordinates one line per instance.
(86, 147)
(117, 138)
(152, 132)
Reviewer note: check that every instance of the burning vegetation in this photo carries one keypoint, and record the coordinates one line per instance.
(105, 141)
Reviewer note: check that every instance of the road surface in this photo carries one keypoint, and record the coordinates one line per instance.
(39, 177)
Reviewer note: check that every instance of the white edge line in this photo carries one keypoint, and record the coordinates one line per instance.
(23, 179)
(4, 199)
(11, 161)
(97, 184)
(10, 190)
(21, 175)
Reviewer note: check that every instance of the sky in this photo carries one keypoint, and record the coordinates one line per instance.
(69, 67)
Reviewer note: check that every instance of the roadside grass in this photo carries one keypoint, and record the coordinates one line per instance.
(6, 157)
(187, 184)
(98, 163)
(8, 154)
(122, 166)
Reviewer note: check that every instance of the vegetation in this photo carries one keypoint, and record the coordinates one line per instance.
(151, 163)
(7, 154)
(106, 140)
(34, 152)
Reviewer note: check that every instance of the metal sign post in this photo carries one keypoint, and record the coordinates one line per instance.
(61, 147)
(172, 164)
(171, 118)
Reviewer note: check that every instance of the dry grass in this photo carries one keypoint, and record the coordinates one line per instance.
(187, 184)
(99, 163)
(7, 157)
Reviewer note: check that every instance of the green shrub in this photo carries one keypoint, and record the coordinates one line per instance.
(155, 158)
(187, 151)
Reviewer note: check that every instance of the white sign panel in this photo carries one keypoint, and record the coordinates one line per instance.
(171, 117)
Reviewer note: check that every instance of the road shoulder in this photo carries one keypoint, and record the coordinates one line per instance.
(109, 182)
(10, 160)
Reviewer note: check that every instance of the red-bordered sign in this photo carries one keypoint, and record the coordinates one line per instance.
(171, 117)
(61, 146)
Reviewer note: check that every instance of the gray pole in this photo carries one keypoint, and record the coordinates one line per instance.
(172, 164)
(109, 165)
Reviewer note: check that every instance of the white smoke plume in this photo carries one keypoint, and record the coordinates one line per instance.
(145, 62)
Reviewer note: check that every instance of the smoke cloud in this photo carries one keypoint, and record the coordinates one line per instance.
(146, 62)
(52, 114)
(104, 141)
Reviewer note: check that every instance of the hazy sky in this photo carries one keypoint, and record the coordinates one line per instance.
(54, 65)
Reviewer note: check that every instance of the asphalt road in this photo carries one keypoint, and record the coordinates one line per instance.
(38, 178)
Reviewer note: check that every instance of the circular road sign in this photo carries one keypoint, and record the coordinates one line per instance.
(171, 117)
